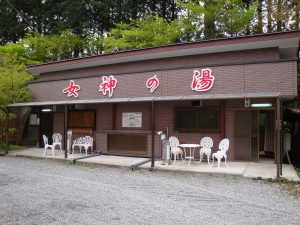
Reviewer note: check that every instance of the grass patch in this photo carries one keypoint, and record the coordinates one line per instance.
(290, 187)
(298, 172)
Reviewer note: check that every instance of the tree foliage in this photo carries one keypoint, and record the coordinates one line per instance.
(64, 29)
(82, 17)
(13, 77)
(51, 47)
(146, 32)
(219, 18)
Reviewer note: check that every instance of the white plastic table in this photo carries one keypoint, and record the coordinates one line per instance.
(190, 146)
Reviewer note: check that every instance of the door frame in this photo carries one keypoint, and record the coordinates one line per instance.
(257, 134)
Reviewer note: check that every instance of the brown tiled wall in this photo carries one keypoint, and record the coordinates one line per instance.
(239, 79)
(58, 124)
(170, 63)
(229, 132)
(164, 118)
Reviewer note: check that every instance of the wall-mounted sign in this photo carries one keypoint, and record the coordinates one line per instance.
(108, 84)
(33, 119)
(72, 89)
(202, 81)
(152, 83)
(132, 119)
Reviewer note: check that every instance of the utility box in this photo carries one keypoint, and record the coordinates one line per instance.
(287, 140)
(69, 140)
(166, 151)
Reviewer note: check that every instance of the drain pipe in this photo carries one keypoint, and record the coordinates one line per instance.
(153, 134)
(133, 166)
(73, 160)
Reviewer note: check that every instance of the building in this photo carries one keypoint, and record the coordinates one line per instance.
(220, 88)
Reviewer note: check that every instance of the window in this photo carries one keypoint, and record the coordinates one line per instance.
(195, 119)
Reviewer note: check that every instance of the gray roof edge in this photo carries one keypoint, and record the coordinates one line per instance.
(152, 98)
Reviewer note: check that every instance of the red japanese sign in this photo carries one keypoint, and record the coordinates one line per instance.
(202, 81)
(108, 84)
(152, 83)
(72, 89)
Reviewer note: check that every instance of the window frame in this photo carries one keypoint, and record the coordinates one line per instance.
(197, 130)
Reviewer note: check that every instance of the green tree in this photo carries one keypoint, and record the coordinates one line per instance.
(219, 18)
(51, 47)
(150, 31)
(83, 17)
(234, 18)
(13, 80)
(202, 15)
(12, 29)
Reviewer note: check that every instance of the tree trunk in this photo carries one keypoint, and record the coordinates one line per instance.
(247, 6)
(269, 16)
(297, 14)
(134, 10)
(163, 11)
(259, 15)
(209, 22)
(279, 16)
(173, 10)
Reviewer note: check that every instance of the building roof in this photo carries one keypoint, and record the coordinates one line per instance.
(286, 42)
(150, 99)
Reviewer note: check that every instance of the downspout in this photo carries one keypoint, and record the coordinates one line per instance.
(153, 134)
(281, 138)
(66, 131)
(6, 130)
(278, 129)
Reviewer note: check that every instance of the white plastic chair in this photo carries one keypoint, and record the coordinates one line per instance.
(47, 146)
(205, 148)
(56, 137)
(222, 152)
(175, 150)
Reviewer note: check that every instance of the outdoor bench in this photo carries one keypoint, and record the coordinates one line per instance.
(83, 142)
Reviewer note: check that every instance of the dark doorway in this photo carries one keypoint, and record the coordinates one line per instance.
(266, 134)
(46, 126)
(246, 135)
(254, 134)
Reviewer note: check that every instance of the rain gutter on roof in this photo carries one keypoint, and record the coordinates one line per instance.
(149, 99)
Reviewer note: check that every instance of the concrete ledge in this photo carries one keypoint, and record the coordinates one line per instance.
(242, 169)
(268, 170)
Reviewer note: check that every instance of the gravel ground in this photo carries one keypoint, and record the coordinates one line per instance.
(52, 192)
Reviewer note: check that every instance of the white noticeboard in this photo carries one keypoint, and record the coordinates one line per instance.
(33, 119)
(132, 119)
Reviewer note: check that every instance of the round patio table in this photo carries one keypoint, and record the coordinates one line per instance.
(190, 146)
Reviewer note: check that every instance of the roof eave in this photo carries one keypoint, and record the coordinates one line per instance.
(288, 47)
